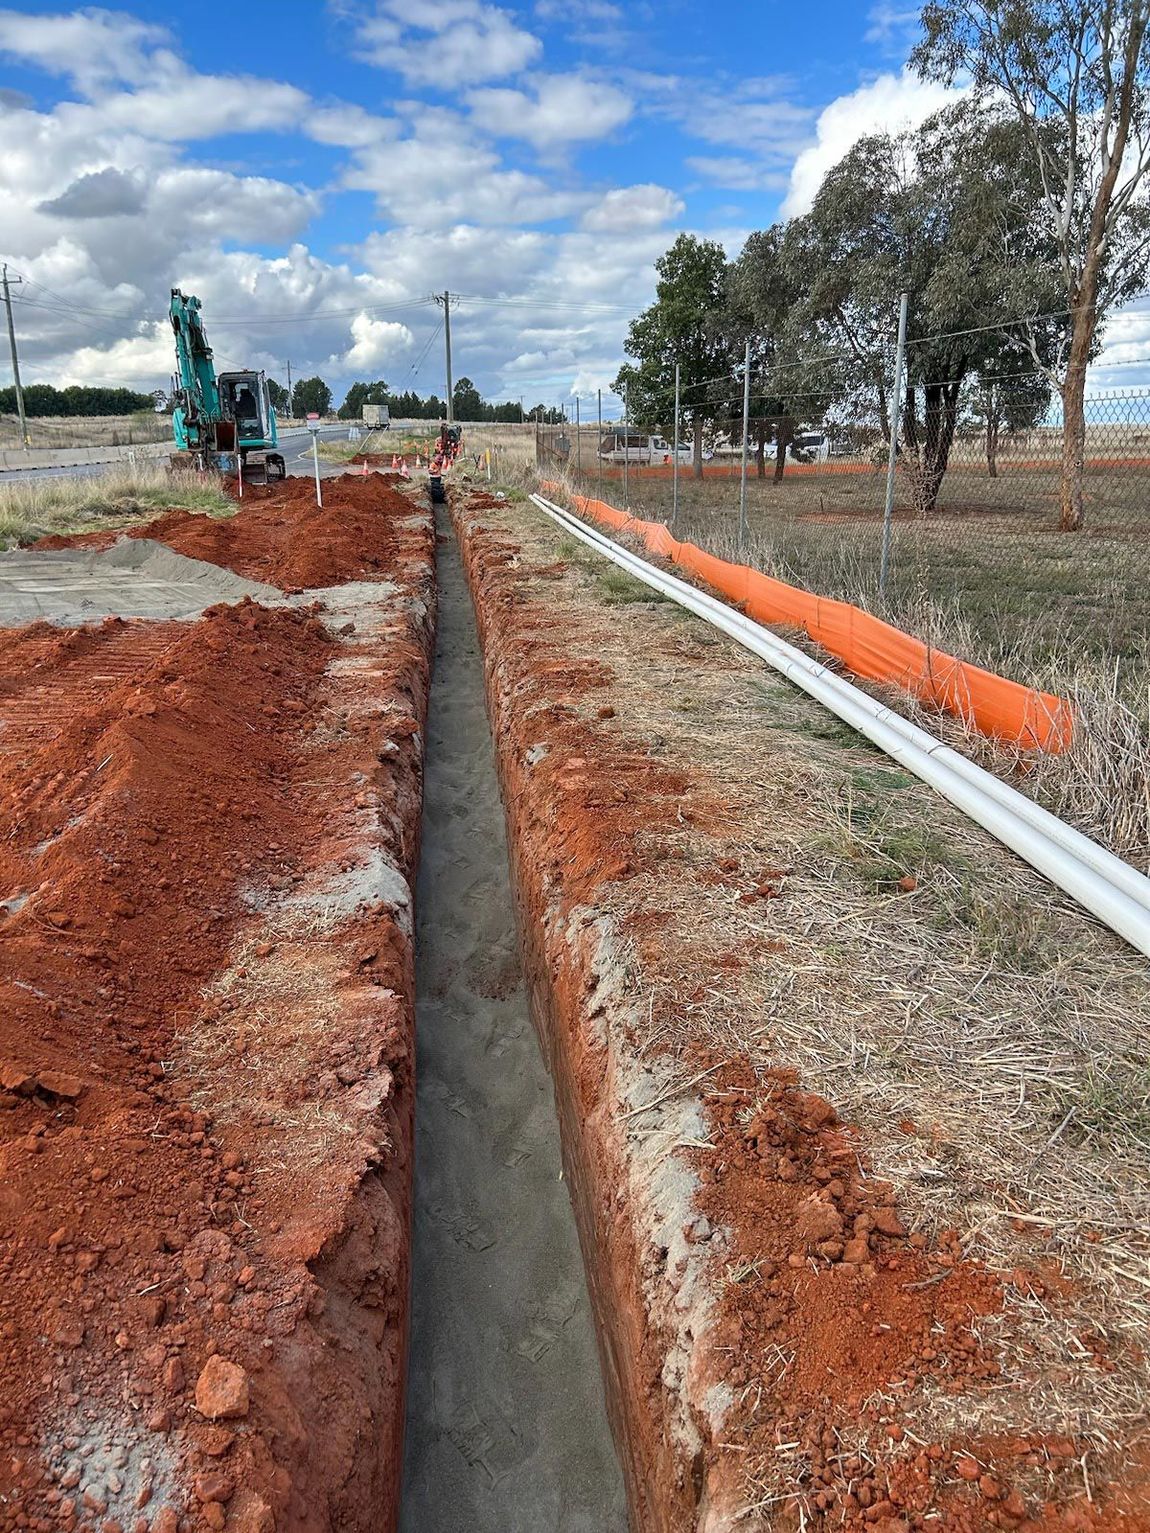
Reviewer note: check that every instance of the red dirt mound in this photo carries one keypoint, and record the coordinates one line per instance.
(279, 535)
(205, 1063)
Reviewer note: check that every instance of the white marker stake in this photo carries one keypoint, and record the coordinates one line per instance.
(313, 427)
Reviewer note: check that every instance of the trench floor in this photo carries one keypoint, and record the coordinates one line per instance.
(507, 1429)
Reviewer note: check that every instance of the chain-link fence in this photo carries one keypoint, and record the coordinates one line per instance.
(976, 557)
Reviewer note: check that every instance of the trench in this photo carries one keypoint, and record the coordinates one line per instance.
(507, 1429)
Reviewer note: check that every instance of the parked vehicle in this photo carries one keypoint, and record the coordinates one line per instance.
(809, 447)
(639, 447)
(378, 417)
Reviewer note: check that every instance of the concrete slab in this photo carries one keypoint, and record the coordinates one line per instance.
(136, 577)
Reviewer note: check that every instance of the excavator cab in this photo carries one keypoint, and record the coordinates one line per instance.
(247, 425)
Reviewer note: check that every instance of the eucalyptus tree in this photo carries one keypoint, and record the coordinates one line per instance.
(1074, 76)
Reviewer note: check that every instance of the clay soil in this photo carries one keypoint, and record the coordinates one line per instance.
(814, 1312)
(208, 834)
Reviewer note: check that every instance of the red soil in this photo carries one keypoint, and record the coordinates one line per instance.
(202, 1301)
(856, 1305)
(281, 536)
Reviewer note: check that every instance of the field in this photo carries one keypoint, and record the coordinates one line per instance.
(987, 576)
(86, 430)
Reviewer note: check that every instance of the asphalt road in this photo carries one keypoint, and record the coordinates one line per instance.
(294, 442)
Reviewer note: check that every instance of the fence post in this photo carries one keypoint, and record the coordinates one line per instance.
(675, 458)
(599, 450)
(578, 445)
(626, 450)
(746, 430)
(895, 404)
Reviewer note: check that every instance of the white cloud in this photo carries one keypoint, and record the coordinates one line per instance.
(440, 175)
(892, 26)
(93, 47)
(633, 207)
(444, 43)
(890, 104)
(558, 109)
(376, 344)
(737, 173)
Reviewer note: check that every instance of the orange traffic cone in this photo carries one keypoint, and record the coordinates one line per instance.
(395, 460)
(365, 468)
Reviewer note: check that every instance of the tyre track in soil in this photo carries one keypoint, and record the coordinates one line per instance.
(506, 1425)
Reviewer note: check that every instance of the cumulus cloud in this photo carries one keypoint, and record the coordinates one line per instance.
(93, 47)
(633, 207)
(444, 43)
(107, 193)
(375, 344)
(558, 109)
(890, 104)
(439, 175)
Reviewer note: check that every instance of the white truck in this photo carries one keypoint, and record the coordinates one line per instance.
(378, 417)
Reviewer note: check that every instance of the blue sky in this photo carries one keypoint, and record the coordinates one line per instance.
(316, 171)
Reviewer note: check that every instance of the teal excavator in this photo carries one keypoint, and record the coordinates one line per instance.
(222, 421)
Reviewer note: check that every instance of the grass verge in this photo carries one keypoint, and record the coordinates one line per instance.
(33, 508)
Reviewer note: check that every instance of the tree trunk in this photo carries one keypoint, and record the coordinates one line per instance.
(760, 449)
(929, 451)
(697, 456)
(991, 444)
(1071, 514)
(784, 432)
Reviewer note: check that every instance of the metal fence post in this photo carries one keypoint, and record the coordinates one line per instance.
(626, 450)
(746, 430)
(675, 458)
(599, 451)
(896, 397)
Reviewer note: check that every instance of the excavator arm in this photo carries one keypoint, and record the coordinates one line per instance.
(199, 407)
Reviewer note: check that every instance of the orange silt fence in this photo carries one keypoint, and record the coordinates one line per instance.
(878, 651)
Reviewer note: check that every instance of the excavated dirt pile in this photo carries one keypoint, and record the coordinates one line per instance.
(283, 537)
(209, 830)
(786, 1343)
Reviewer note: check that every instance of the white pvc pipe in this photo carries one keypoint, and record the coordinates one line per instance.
(1108, 887)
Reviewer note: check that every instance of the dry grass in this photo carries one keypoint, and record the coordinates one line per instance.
(32, 508)
(1097, 658)
(87, 430)
(976, 1027)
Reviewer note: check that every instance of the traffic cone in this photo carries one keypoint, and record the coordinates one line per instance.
(365, 468)
(395, 460)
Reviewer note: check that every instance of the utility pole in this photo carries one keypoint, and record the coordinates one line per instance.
(15, 358)
(445, 300)
(289, 387)
(578, 444)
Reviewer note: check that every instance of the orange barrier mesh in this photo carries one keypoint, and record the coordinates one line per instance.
(871, 648)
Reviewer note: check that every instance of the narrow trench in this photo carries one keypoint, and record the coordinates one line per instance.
(507, 1429)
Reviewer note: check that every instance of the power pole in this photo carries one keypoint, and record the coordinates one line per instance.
(15, 358)
(445, 300)
(289, 388)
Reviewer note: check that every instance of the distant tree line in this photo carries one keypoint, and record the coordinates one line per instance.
(42, 399)
(313, 394)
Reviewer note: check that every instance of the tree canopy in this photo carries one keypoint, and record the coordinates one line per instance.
(310, 395)
(688, 323)
(1073, 78)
